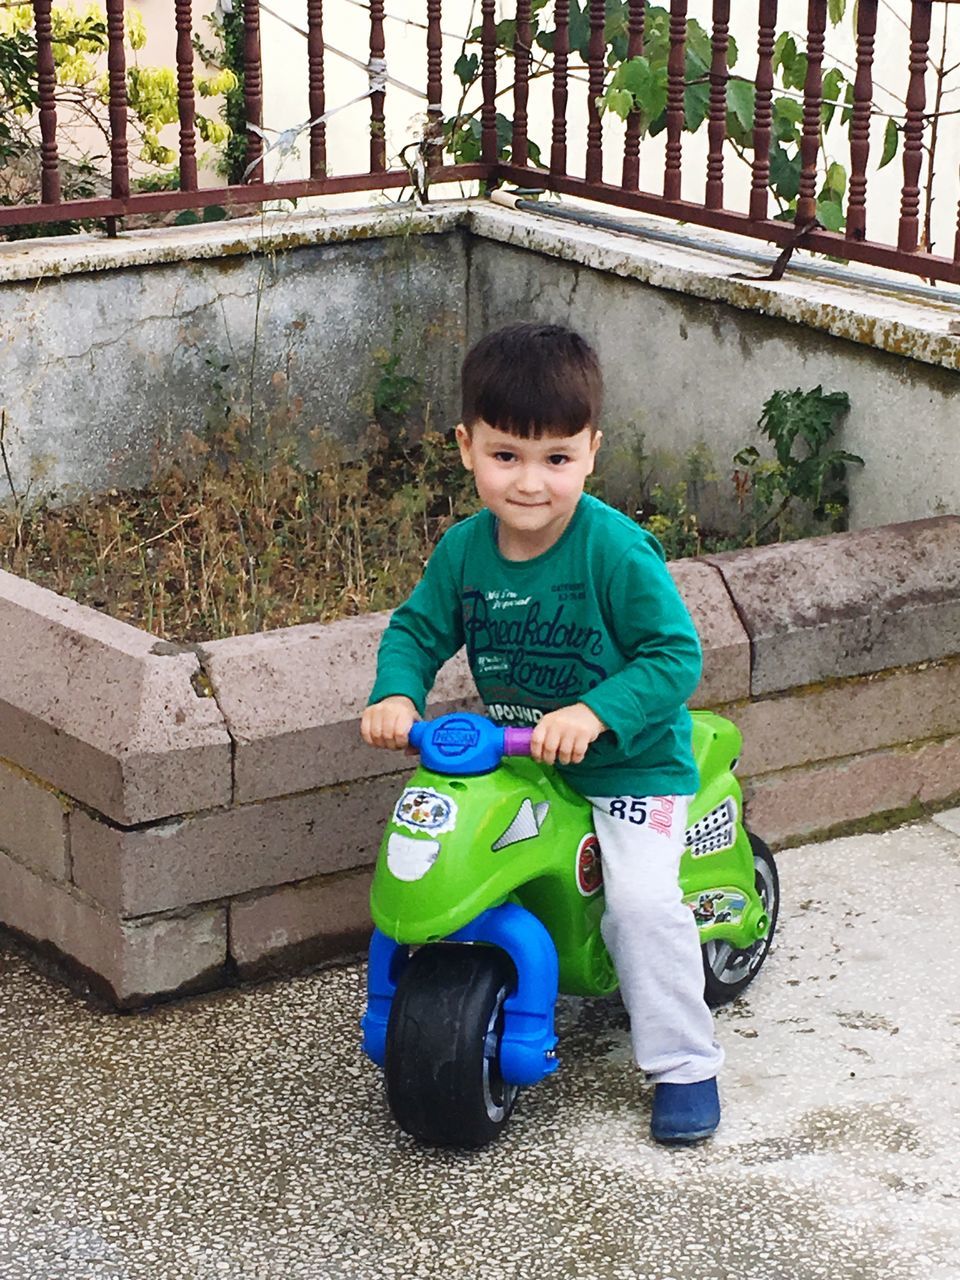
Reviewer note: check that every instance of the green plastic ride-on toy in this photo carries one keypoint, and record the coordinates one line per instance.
(487, 899)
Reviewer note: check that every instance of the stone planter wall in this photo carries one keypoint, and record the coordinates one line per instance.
(173, 817)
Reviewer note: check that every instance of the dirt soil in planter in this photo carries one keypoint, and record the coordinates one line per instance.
(230, 538)
(234, 536)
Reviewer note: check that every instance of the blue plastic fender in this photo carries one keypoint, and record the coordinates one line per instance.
(527, 1049)
(528, 1045)
(386, 962)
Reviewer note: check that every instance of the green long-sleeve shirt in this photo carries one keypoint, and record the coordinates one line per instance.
(595, 619)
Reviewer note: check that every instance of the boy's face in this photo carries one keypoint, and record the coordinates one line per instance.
(531, 486)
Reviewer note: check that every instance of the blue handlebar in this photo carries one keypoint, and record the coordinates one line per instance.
(462, 743)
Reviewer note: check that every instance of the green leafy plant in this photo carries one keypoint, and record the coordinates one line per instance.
(672, 523)
(805, 470)
(225, 54)
(82, 97)
(638, 87)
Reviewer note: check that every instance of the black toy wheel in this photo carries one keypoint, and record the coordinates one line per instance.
(728, 971)
(442, 1065)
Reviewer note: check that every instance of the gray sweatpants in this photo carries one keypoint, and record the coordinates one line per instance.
(652, 936)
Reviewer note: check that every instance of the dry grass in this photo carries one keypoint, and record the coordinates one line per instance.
(236, 535)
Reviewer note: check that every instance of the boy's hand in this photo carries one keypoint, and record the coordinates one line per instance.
(387, 723)
(565, 734)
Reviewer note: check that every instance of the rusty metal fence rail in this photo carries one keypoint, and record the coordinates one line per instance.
(504, 55)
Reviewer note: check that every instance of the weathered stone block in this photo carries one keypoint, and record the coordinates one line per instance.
(849, 603)
(949, 819)
(231, 851)
(33, 824)
(129, 962)
(800, 802)
(726, 647)
(293, 700)
(301, 924)
(849, 718)
(103, 712)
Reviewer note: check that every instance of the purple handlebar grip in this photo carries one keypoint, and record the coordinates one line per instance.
(516, 742)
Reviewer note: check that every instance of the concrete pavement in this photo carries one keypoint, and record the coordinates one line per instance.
(241, 1135)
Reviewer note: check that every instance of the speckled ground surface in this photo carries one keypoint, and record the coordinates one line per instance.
(241, 1135)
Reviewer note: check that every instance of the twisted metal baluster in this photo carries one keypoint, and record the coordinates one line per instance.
(631, 140)
(595, 54)
(318, 97)
(186, 103)
(717, 128)
(676, 66)
(117, 76)
(521, 78)
(860, 121)
(812, 102)
(909, 233)
(46, 91)
(253, 88)
(561, 59)
(763, 110)
(488, 49)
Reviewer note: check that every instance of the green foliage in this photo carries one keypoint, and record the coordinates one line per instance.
(463, 139)
(395, 393)
(804, 471)
(671, 512)
(160, 180)
(190, 217)
(638, 87)
(18, 91)
(79, 52)
(672, 523)
(891, 140)
(225, 57)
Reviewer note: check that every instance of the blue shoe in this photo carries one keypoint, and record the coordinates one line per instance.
(685, 1112)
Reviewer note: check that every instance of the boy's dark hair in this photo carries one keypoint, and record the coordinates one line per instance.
(532, 378)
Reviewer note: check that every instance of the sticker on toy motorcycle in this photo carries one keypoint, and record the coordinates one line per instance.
(527, 823)
(589, 867)
(410, 859)
(715, 831)
(423, 809)
(717, 906)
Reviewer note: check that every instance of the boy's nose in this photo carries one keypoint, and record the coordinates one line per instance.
(528, 481)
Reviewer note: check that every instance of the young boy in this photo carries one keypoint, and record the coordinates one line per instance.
(572, 623)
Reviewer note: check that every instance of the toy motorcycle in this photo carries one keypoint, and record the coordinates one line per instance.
(487, 899)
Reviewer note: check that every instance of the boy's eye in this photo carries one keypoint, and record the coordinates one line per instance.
(504, 455)
(558, 459)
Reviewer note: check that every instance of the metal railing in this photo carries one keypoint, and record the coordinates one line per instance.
(495, 52)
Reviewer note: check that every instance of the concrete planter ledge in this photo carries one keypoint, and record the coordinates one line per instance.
(871, 306)
(104, 712)
(172, 818)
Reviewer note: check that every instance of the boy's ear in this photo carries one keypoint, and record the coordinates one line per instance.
(594, 446)
(466, 446)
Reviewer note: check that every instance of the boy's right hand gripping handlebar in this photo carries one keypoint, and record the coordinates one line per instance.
(465, 743)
